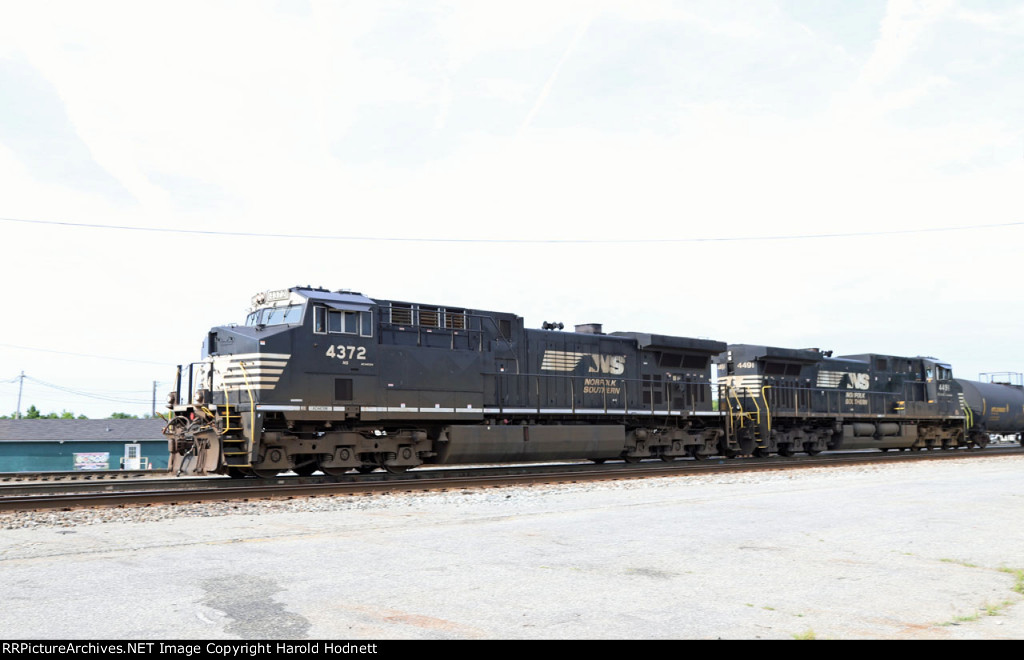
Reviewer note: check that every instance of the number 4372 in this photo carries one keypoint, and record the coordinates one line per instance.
(346, 352)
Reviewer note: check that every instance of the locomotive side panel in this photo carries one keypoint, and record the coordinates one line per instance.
(538, 389)
(573, 373)
(428, 381)
(433, 362)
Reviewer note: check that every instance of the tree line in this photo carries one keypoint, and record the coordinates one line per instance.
(35, 413)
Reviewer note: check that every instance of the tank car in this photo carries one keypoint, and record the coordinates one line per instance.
(337, 381)
(994, 405)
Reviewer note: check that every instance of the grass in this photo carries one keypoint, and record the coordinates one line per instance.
(966, 618)
(808, 634)
(996, 610)
(1018, 585)
(988, 609)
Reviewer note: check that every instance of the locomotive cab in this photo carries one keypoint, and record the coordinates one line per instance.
(923, 386)
(252, 376)
(938, 385)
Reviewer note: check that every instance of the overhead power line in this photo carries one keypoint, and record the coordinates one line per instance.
(88, 355)
(531, 241)
(91, 395)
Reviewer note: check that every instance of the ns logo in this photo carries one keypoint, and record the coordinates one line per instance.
(859, 381)
(566, 361)
(608, 364)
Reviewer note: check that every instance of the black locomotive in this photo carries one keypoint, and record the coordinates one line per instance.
(336, 381)
(805, 400)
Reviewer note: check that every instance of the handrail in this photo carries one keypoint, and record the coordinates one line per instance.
(767, 409)
(531, 386)
(252, 403)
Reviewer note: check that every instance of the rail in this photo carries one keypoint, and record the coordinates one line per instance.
(178, 491)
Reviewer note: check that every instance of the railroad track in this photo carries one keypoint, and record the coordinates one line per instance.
(81, 475)
(155, 491)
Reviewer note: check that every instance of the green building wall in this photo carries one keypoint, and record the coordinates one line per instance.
(60, 456)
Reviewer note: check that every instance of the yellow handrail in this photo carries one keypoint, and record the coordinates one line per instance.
(739, 405)
(757, 419)
(767, 410)
(252, 403)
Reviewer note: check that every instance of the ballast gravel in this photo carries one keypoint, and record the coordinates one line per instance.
(897, 551)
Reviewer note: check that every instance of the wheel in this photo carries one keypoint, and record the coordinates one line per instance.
(598, 461)
(786, 450)
(667, 459)
(366, 469)
(238, 473)
(266, 474)
(631, 459)
(883, 449)
(762, 452)
(694, 452)
(305, 470)
(396, 469)
(334, 472)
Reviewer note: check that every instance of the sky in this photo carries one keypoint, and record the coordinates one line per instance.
(835, 174)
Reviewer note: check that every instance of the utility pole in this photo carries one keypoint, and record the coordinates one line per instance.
(21, 382)
(153, 413)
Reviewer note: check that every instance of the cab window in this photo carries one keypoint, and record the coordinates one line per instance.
(348, 322)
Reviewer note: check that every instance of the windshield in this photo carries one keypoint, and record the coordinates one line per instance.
(275, 315)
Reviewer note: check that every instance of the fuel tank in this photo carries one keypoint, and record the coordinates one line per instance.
(995, 408)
